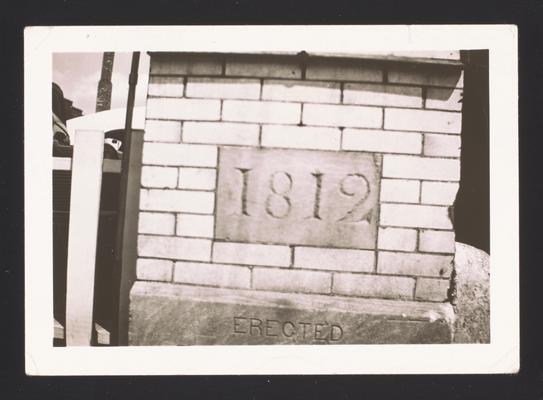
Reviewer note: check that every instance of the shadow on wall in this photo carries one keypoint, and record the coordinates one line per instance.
(472, 206)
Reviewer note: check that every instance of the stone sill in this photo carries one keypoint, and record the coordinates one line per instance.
(452, 62)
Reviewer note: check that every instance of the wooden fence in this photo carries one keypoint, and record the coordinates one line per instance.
(87, 167)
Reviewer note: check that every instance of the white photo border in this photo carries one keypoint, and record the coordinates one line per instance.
(500, 356)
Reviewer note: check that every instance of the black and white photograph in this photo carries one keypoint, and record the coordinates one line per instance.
(256, 206)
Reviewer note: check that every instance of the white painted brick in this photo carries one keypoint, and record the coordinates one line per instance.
(156, 223)
(441, 193)
(165, 86)
(189, 155)
(185, 64)
(415, 216)
(222, 88)
(197, 178)
(251, 254)
(399, 191)
(398, 166)
(174, 248)
(162, 131)
(415, 75)
(263, 112)
(382, 141)
(382, 95)
(423, 120)
(148, 269)
(343, 71)
(191, 109)
(291, 280)
(442, 145)
(415, 264)
(303, 91)
(264, 67)
(432, 289)
(158, 177)
(444, 99)
(177, 200)
(220, 133)
(437, 241)
(334, 259)
(342, 116)
(397, 239)
(212, 274)
(195, 225)
(388, 287)
(301, 137)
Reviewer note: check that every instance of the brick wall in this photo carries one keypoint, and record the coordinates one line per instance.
(409, 114)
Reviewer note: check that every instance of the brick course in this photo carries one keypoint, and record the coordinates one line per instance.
(292, 280)
(333, 259)
(388, 287)
(212, 274)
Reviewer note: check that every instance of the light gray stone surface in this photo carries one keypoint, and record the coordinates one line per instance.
(297, 197)
(167, 314)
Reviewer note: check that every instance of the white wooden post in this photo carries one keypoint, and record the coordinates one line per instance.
(82, 235)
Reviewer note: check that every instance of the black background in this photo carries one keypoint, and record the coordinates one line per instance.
(528, 15)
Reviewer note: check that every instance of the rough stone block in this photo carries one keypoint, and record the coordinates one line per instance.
(162, 131)
(148, 269)
(342, 116)
(301, 137)
(399, 191)
(343, 71)
(436, 241)
(251, 254)
(442, 145)
(156, 223)
(223, 88)
(432, 289)
(166, 86)
(382, 141)
(382, 95)
(423, 120)
(262, 112)
(177, 200)
(207, 316)
(388, 287)
(287, 280)
(301, 91)
(414, 264)
(197, 178)
(415, 216)
(334, 259)
(193, 225)
(182, 109)
(428, 168)
(397, 239)
(229, 276)
(174, 248)
(263, 67)
(442, 193)
(189, 155)
(221, 133)
(158, 177)
(444, 99)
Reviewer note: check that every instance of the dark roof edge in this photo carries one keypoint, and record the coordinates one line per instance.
(342, 56)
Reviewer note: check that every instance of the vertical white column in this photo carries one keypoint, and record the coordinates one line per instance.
(82, 236)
